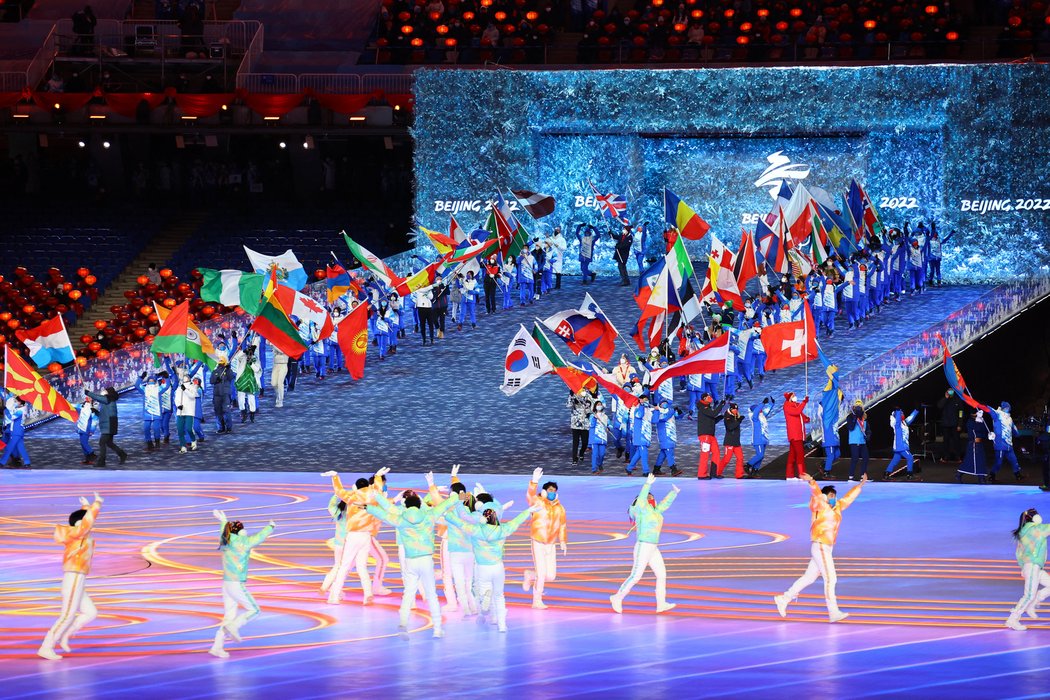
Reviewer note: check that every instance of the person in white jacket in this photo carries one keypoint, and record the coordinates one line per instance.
(248, 372)
(185, 411)
(558, 248)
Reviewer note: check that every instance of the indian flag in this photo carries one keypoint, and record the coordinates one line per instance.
(179, 335)
(233, 288)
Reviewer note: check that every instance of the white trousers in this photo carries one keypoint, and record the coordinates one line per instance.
(1034, 577)
(235, 595)
(647, 554)
(377, 552)
(821, 565)
(277, 382)
(545, 559)
(490, 580)
(77, 611)
(246, 402)
(460, 576)
(354, 554)
(417, 573)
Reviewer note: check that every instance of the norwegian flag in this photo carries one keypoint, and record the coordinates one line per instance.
(611, 205)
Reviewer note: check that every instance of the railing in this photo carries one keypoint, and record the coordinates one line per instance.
(252, 52)
(155, 37)
(41, 63)
(884, 375)
(13, 81)
(276, 83)
(331, 83)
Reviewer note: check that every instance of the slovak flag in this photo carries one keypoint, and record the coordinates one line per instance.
(585, 331)
(611, 205)
(48, 343)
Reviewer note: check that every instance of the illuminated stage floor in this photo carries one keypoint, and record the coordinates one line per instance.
(925, 571)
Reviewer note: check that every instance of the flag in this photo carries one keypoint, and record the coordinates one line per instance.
(444, 244)
(179, 335)
(710, 359)
(525, 362)
(770, 246)
(574, 375)
(680, 271)
(801, 265)
(272, 323)
(48, 342)
(352, 337)
(830, 400)
(649, 331)
(817, 253)
(289, 270)
(471, 248)
(609, 383)
(683, 217)
(611, 205)
(720, 282)
(306, 310)
(745, 265)
(647, 280)
(836, 227)
(370, 261)
(233, 288)
(956, 381)
(512, 236)
(23, 381)
(424, 278)
(583, 332)
(337, 281)
(790, 343)
(795, 215)
(538, 205)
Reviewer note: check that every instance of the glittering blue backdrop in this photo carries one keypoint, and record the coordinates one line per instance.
(925, 141)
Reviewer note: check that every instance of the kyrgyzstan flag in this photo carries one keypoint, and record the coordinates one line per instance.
(790, 343)
(352, 336)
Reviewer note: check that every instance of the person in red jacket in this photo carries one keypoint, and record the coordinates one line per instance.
(796, 432)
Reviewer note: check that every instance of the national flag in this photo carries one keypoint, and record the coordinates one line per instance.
(680, 271)
(796, 215)
(710, 359)
(648, 279)
(574, 375)
(771, 246)
(289, 270)
(801, 265)
(512, 236)
(424, 278)
(956, 381)
(271, 283)
(837, 228)
(337, 281)
(233, 288)
(23, 381)
(538, 205)
(790, 343)
(609, 383)
(683, 217)
(649, 331)
(525, 363)
(611, 205)
(830, 400)
(48, 342)
(444, 244)
(471, 248)
(352, 337)
(720, 282)
(871, 215)
(179, 335)
(817, 238)
(584, 333)
(370, 261)
(304, 308)
(272, 322)
(745, 264)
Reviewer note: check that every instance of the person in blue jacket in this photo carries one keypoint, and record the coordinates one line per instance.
(859, 434)
(641, 435)
(667, 434)
(759, 415)
(14, 414)
(935, 245)
(152, 409)
(599, 437)
(901, 449)
(1002, 436)
(87, 424)
(167, 401)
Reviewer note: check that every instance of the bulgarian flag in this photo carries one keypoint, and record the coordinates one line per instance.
(272, 323)
(179, 335)
(23, 381)
(233, 288)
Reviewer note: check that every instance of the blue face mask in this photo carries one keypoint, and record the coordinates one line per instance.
(551, 495)
(832, 501)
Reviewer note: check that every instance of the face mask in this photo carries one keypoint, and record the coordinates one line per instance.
(832, 501)
(599, 410)
(551, 495)
(1037, 519)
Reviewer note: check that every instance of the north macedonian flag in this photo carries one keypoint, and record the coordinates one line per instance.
(22, 380)
(352, 336)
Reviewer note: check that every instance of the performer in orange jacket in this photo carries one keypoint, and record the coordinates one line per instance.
(77, 608)
(548, 529)
(796, 433)
(357, 540)
(827, 516)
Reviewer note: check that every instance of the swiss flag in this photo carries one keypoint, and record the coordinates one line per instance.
(790, 343)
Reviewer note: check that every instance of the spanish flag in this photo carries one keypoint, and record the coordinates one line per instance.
(680, 215)
(22, 380)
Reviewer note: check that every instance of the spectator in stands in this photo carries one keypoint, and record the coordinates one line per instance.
(491, 35)
(84, 22)
(152, 274)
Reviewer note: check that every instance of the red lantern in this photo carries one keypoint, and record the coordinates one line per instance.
(441, 29)
(795, 12)
(54, 367)
(451, 42)
(82, 272)
(152, 318)
(184, 288)
(435, 16)
(468, 16)
(500, 16)
(697, 14)
(417, 42)
(763, 13)
(13, 323)
(100, 324)
(658, 3)
(81, 361)
(745, 27)
(142, 280)
(532, 16)
(67, 286)
(75, 294)
(870, 24)
(1014, 21)
(148, 339)
(488, 3)
(952, 36)
(932, 9)
(139, 333)
(169, 302)
(102, 354)
(28, 309)
(680, 27)
(407, 29)
(782, 26)
(166, 273)
(742, 40)
(90, 280)
(94, 346)
(145, 310)
(728, 14)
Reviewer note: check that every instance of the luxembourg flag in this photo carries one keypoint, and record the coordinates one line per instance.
(48, 343)
(290, 271)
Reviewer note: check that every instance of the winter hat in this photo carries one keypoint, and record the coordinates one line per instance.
(788, 395)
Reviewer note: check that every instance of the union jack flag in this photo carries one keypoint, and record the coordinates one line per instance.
(611, 205)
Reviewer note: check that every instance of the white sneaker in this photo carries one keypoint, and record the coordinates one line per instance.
(838, 617)
(617, 603)
(1015, 624)
(782, 604)
(502, 628)
(381, 590)
(664, 607)
(526, 583)
(183, 450)
(438, 633)
(193, 446)
(64, 644)
(48, 654)
(539, 605)
(486, 602)
(233, 632)
(219, 652)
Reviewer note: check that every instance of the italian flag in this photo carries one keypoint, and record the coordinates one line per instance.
(233, 288)
(272, 323)
(179, 335)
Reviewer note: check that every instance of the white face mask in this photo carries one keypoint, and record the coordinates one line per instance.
(1037, 519)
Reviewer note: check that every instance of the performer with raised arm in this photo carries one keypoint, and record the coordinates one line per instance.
(826, 507)
(77, 608)
(648, 518)
(236, 547)
(415, 525)
(357, 539)
(548, 529)
(1031, 534)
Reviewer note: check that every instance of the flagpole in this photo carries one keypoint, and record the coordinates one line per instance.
(805, 336)
(76, 366)
(617, 332)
